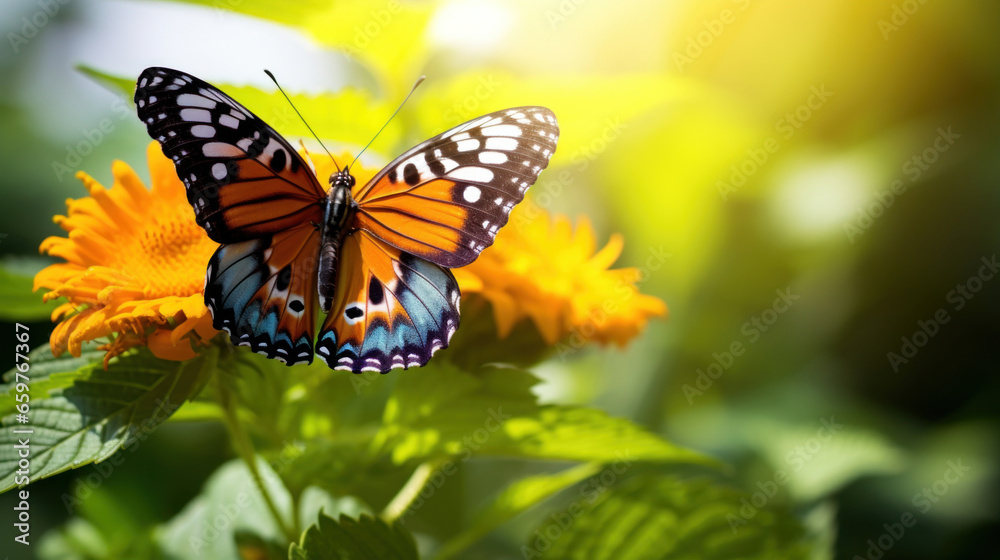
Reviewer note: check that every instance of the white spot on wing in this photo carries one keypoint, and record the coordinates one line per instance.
(220, 149)
(196, 115)
(448, 164)
(203, 131)
(467, 145)
(472, 194)
(477, 174)
(492, 157)
(192, 100)
(502, 130)
(501, 144)
(219, 171)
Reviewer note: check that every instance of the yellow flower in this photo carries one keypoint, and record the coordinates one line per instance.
(540, 268)
(135, 266)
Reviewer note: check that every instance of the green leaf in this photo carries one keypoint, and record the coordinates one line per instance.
(232, 496)
(819, 463)
(47, 373)
(442, 411)
(332, 465)
(17, 301)
(229, 503)
(124, 87)
(97, 414)
(354, 539)
(78, 539)
(650, 517)
(515, 499)
(198, 411)
(821, 524)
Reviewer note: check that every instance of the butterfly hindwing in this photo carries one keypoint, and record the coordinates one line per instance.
(242, 178)
(263, 293)
(445, 199)
(391, 309)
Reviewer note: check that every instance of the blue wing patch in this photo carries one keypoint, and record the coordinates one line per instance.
(263, 293)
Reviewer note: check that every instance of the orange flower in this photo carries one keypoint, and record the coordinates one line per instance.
(135, 266)
(540, 268)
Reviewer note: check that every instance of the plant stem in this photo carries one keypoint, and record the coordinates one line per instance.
(410, 490)
(244, 447)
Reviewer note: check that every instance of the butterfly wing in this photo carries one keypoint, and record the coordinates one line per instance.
(445, 199)
(263, 293)
(391, 309)
(242, 178)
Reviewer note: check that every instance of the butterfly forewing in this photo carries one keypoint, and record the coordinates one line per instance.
(446, 199)
(242, 178)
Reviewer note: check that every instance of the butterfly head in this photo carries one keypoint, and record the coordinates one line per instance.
(342, 178)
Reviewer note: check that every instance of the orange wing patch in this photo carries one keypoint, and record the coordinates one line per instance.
(422, 220)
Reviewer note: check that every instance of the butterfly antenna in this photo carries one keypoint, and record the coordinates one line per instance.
(413, 89)
(270, 75)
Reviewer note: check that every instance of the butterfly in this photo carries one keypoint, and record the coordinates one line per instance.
(373, 258)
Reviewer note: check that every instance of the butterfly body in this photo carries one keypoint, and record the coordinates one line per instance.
(337, 213)
(373, 258)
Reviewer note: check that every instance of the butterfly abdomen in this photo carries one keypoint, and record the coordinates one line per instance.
(338, 212)
(326, 282)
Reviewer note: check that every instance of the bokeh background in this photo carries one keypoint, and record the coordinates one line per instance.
(811, 187)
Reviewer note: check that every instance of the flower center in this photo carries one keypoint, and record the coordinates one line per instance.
(168, 255)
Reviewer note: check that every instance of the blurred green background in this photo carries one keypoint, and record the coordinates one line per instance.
(807, 185)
